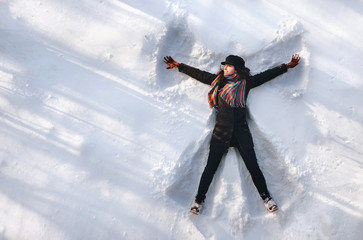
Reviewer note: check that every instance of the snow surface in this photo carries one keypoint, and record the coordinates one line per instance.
(100, 141)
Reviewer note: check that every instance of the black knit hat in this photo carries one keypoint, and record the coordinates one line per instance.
(236, 61)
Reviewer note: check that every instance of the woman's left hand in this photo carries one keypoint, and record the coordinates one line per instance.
(170, 61)
(294, 61)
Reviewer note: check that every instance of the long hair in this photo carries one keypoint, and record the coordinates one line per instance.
(220, 76)
(243, 73)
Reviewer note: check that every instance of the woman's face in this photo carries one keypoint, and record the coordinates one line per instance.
(229, 70)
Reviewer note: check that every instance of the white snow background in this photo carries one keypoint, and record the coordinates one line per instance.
(100, 141)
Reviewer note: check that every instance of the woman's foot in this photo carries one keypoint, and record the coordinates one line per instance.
(196, 208)
(271, 205)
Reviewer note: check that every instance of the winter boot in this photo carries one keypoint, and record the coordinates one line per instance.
(271, 205)
(196, 208)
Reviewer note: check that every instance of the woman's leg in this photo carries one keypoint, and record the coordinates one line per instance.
(210, 169)
(249, 158)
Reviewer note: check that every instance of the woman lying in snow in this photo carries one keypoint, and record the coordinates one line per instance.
(228, 95)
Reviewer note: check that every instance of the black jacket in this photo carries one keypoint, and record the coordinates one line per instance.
(231, 126)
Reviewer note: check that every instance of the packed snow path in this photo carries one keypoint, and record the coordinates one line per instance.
(100, 141)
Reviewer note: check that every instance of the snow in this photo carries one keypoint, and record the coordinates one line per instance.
(100, 141)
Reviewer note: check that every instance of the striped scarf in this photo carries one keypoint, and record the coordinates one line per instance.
(233, 92)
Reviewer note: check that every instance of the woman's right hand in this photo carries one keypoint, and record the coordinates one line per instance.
(294, 61)
(170, 61)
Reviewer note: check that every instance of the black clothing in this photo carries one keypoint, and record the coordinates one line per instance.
(231, 122)
(210, 169)
(234, 60)
(231, 130)
(250, 160)
(254, 81)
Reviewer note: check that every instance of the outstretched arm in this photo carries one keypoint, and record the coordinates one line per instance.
(270, 74)
(202, 76)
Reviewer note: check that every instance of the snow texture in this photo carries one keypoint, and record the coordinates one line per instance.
(100, 141)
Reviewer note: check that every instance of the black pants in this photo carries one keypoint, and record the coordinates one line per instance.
(249, 158)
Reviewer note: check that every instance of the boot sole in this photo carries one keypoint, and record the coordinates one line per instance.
(195, 213)
(274, 210)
